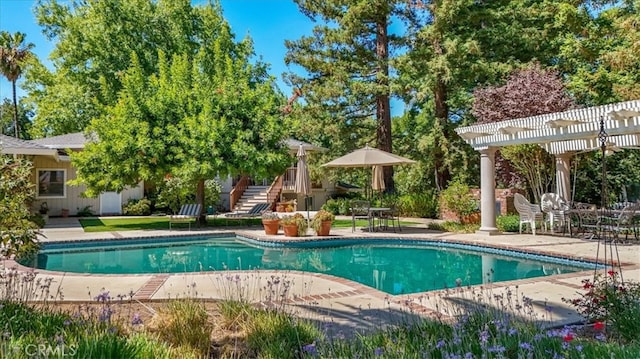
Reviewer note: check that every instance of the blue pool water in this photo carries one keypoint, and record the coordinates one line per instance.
(395, 267)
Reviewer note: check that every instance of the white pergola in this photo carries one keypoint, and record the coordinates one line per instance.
(563, 134)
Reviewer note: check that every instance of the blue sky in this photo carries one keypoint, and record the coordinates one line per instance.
(268, 22)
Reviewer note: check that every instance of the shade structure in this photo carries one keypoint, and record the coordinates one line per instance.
(303, 181)
(368, 157)
(377, 180)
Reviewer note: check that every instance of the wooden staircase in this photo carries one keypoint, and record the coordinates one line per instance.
(250, 197)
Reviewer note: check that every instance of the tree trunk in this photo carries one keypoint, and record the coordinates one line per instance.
(15, 110)
(202, 219)
(383, 113)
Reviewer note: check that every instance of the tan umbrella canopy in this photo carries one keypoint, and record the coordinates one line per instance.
(368, 157)
(303, 181)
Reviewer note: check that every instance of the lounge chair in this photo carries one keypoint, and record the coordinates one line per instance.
(186, 214)
(529, 213)
(254, 212)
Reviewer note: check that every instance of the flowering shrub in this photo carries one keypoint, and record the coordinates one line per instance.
(609, 302)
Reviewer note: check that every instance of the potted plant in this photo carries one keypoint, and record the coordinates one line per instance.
(294, 225)
(44, 211)
(321, 222)
(271, 222)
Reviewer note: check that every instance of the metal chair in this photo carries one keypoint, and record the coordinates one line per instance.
(556, 209)
(361, 210)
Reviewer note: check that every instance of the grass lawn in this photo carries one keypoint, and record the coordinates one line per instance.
(160, 223)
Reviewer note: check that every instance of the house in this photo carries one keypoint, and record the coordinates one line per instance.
(52, 169)
(240, 194)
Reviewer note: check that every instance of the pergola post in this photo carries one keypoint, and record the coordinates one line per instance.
(488, 191)
(563, 175)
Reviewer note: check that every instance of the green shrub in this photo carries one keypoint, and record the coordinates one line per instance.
(613, 303)
(332, 205)
(424, 205)
(137, 207)
(85, 212)
(458, 199)
(275, 334)
(37, 219)
(508, 223)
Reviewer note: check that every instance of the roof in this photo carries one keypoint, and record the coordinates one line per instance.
(16, 146)
(561, 132)
(75, 140)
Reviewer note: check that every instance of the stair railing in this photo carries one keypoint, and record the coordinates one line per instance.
(274, 191)
(237, 191)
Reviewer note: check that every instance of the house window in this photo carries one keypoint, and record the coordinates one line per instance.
(51, 183)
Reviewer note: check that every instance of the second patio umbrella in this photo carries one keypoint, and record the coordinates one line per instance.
(370, 157)
(303, 181)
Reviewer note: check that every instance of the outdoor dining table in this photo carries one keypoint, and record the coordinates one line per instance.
(593, 219)
(378, 212)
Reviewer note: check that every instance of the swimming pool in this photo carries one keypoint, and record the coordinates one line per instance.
(393, 266)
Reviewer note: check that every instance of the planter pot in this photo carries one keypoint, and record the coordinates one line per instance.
(64, 212)
(290, 230)
(271, 226)
(473, 218)
(325, 228)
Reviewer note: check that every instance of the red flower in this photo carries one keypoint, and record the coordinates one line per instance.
(611, 273)
(598, 325)
(568, 338)
(587, 285)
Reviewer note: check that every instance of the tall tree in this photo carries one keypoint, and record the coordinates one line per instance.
(13, 55)
(195, 117)
(95, 41)
(348, 61)
(603, 63)
(464, 44)
(7, 122)
(527, 92)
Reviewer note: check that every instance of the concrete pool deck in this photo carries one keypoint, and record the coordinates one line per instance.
(344, 305)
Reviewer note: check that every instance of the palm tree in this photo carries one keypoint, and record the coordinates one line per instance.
(13, 53)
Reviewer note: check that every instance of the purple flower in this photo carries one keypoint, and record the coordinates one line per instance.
(105, 314)
(67, 323)
(440, 344)
(378, 352)
(103, 297)
(579, 348)
(310, 349)
(513, 331)
(497, 349)
(526, 346)
(469, 355)
(136, 320)
(484, 336)
(601, 337)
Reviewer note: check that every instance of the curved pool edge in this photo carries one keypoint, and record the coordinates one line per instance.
(332, 294)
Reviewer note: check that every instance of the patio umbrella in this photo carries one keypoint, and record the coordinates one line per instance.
(303, 182)
(368, 157)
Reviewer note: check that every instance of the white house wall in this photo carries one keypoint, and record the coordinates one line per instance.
(73, 200)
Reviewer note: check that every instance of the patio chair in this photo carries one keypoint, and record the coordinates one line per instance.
(586, 218)
(622, 221)
(187, 213)
(390, 216)
(556, 209)
(529, 213)
(360, 210)
(255, 212)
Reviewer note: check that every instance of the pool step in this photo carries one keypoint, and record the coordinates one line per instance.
(151, 287)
